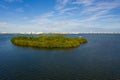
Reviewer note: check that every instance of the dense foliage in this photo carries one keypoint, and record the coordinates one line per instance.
(56, 41)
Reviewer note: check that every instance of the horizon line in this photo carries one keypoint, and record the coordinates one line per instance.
(60, 32)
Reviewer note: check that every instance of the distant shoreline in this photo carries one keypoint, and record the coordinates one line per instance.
(62, 33)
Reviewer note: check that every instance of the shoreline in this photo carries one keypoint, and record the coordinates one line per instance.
(64, 33)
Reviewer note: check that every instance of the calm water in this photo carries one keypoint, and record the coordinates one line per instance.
(99, 59)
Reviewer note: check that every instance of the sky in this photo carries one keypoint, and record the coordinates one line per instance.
(59, 15)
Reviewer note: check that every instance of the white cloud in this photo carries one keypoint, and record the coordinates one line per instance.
(102, 6)
(91, 8)
(54, 22)
(67, 9)
(84, 11)
(61, 4)
(100, 10)
(96, 16)
(84, 2)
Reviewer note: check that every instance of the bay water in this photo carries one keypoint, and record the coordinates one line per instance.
(99, 59)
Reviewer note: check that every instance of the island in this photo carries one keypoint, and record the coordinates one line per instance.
(48, 41)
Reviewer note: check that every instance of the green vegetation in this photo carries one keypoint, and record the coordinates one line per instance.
(48, 41)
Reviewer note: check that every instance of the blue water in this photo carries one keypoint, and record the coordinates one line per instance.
(99, 59)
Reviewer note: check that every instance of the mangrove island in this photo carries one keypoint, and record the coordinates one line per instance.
(48, 41)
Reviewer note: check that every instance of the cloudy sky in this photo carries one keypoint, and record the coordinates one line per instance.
(59, 15)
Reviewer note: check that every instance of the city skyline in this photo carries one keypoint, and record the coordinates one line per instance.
(59, 16)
